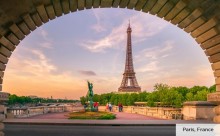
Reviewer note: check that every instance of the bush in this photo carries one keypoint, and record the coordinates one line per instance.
(107, 116)
(92, 115)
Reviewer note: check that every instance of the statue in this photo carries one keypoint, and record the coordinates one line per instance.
(90, 95)
(90, 86)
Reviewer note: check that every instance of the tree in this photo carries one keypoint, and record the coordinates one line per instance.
(212, 88)
(83, 100)
(133, 98)
(178, 100)
(96, 98)
(201, 95)
(152, 98)
(171, 97)
(195, 89)
(142, 97)
(125, 99)
(160, 87)
(12, 99)
(182, 90)
(113, 98)
(166, 95)
(189, 97)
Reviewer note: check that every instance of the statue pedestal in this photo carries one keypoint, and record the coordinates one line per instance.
(215, 98)
(3, 98)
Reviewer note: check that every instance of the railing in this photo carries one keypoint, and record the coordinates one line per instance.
(158, 112)
(32, 111)
(186, 113)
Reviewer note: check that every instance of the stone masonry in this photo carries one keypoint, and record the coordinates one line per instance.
(199, 18)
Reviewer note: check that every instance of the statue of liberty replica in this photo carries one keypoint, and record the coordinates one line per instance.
(90, 95)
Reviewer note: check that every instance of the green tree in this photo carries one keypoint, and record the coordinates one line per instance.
(83, 100)
(182, 90)
(142, 97)
(96, 98)
(152, 98)
(195, 89)
(125, 99)
(160, 87)
(12, 99)
(189, 97)
(129, 100)
(113, 98)
(212, 88)
(178, 100)
(201, 95)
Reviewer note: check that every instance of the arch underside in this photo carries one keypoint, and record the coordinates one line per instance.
(200, 18)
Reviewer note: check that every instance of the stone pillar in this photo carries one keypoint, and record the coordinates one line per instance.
(198, 110)
(217, 112)
(3, 98)
(215, 98)
(2, 117)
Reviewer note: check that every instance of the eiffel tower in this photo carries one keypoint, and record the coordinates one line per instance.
(129, 82)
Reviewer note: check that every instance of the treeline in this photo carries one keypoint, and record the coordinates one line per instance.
(164, 94)
(14, 99)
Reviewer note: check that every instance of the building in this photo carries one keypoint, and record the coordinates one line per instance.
(129, 82)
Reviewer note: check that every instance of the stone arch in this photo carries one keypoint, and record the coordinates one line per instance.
(200, 18)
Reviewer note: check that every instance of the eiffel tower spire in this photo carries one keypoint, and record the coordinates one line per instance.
(129, 82)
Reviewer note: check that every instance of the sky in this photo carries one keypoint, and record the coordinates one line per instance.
(58, 58)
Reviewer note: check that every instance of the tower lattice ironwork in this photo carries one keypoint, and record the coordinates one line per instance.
(129, 82)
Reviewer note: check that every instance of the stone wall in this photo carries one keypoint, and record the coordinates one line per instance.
(199, 18)
(158, 112)
(3, 98)
(2, 117)
(32, 111)
(198, 110)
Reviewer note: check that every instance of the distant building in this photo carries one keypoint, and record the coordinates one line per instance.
(33, 96)
(129, 82)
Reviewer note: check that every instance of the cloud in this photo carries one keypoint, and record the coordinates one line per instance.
(47, 42)
(149, 59)
(33, 62)
(144, 26)
(153, 63)
(42, 64)
(43, 33)
(150, 67)
(104, 19)
(155, 52)
(183, 76)
(87, 73)
(30, 71)
(99, 26)
(47, 45)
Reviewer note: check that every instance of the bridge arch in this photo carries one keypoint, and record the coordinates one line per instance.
(200, 18)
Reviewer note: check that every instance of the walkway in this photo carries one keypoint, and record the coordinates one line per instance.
(119, 116)
(122, 119)
(130, 116)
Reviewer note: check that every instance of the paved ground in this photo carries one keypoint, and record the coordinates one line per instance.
(60, 130)
(123, 119)
(130, 116)
(103, 122)
(57, 124)
(119, 116)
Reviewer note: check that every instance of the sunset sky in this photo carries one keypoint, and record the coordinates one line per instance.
(59, 57)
